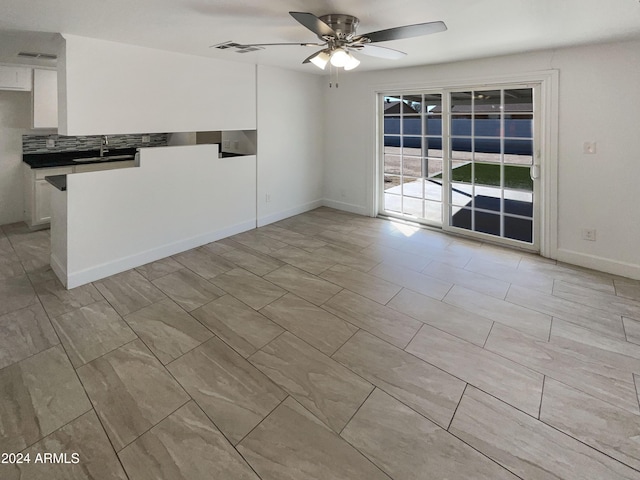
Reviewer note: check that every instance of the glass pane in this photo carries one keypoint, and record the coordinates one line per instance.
(412, 187)
(518, 229)
(411, 151)
(461, 172)
(487, 145)
(487, 101)
(518, 100)
(433, 190)
(392, 125)
(487, 223)
(518, 126)
(518, 204)
(461, 218)
(412, 125)
(391, 141)
(392, 184)
(433, 211)
(461, 125)
(432, 103)
(392, 203)
(414, 102)
(461, 102)
(412, 206)
(519, 151)
(412, 142)
(392, 164)
(412, 166)
(487, 125)
(394, 106)
(488, 202)
(433, 147)
(461, 148)
(486, 174)
(433, 125)
(461, 194)
(517, 178)
(434, 168)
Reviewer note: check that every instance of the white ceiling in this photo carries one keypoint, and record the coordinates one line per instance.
(477, 28)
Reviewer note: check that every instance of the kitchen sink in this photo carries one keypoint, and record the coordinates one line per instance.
(104, 159)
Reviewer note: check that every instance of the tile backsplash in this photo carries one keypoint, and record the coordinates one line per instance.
(38, 143)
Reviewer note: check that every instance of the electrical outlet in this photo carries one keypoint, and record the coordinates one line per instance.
(51, 143)
(589, 148)
(267, 198)
(225, 144)
(146, 138)
(589, 234)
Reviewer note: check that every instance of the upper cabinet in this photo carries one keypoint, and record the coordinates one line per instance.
(45, 98)
(15, 78)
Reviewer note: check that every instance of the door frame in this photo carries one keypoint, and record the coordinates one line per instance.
(548, 141)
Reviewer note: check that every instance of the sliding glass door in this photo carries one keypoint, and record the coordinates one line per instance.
(465, 160)
(412, 157)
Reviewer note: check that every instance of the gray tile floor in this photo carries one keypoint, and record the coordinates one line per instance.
(325, 346)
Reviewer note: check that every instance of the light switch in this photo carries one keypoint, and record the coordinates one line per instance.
(589, 148)
(51, 143)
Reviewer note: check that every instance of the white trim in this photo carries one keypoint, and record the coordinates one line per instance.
(347, 207)
(615, 267)
(75, 279)
(290, 212)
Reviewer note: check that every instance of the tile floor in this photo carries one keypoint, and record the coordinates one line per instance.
(324, 346)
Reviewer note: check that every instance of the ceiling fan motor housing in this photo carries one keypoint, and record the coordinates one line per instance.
(344, 25)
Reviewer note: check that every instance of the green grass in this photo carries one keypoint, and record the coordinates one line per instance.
(489, 174)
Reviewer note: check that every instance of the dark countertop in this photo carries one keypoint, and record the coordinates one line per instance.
(58, 181)
(63, 159)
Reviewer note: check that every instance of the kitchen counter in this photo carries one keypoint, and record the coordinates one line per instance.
(64, 159)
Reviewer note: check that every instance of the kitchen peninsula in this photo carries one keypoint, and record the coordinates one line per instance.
(178, 198)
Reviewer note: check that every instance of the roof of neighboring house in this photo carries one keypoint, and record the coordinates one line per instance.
(397, 107)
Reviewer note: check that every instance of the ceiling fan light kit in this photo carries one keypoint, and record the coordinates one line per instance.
(320, 59)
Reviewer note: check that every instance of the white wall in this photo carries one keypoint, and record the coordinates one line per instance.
(599, 100)
(179, 198)
(110, 88)
(290, 143)
(15, 121)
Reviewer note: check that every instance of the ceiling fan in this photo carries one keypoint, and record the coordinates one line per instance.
(337, 32)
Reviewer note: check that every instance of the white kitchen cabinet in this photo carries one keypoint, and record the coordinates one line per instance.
(15, 78)
(38, 194)
(45, 98)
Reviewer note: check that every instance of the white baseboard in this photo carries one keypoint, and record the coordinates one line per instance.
(290, 212)
(82, 277)
(346, 207)
(602, 264)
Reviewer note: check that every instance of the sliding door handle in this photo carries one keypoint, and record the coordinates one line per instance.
(534, 172)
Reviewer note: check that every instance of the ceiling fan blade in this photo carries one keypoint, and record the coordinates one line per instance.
(272, 44)
(406, 31)
(313, 23)
(380, 52)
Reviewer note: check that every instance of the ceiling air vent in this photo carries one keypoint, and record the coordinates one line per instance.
(236, 47)
(43, 56)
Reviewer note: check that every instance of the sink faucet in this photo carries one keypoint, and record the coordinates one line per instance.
(104, 145)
